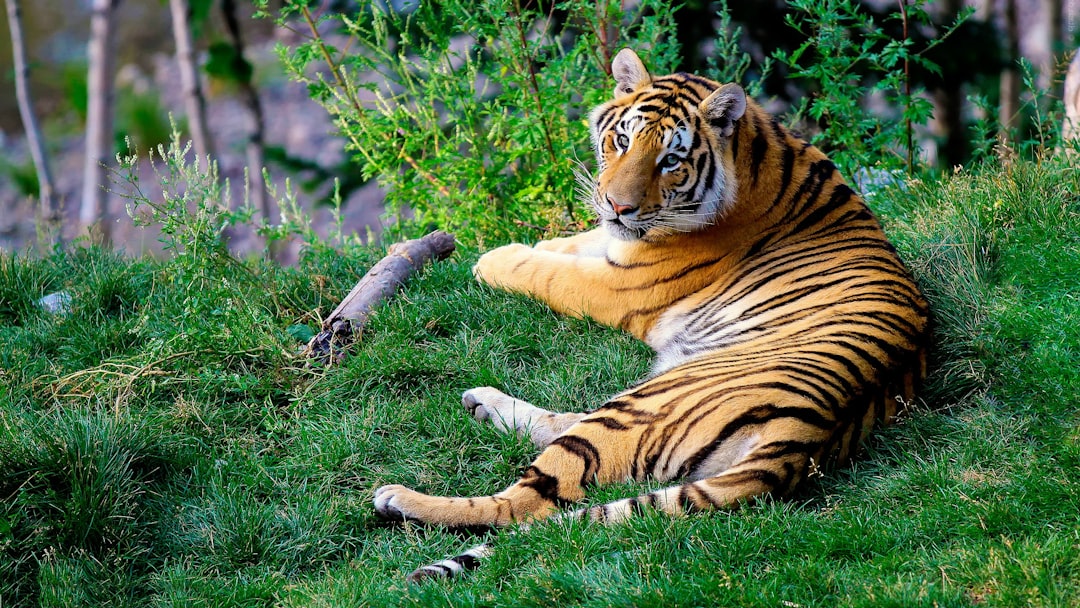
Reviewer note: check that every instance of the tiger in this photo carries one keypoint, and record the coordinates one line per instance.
(785, 325)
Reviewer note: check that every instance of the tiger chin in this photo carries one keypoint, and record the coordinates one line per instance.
(784, 323)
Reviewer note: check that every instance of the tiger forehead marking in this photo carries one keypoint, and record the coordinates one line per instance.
(785, 326)
(666, 133)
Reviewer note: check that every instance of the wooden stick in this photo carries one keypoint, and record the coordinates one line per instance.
(380, 283)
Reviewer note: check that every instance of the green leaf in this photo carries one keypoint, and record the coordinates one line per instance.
(301, 332)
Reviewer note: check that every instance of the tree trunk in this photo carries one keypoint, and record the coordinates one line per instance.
(29, 119)
(1070, 131)
(1009, 107)
(194, 102)
(99, 120)
(1051, 11)
(948, 103)
(255, 144)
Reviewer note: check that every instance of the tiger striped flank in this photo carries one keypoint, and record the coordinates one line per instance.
(785, 326)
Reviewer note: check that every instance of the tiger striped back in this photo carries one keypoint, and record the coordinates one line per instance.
(785, 325)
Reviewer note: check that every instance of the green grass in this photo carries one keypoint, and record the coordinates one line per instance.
(163, 444)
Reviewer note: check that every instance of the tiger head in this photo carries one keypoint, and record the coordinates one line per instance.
(660, 148)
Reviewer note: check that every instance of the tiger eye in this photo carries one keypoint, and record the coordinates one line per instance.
(671, 160)
(622, 141)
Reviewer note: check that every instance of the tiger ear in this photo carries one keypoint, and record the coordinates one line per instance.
(629, 73)
(723, 107)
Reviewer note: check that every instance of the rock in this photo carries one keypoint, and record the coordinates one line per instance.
(58, 303)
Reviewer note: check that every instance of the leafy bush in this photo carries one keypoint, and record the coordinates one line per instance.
(472, 114)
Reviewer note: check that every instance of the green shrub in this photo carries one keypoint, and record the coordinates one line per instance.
(472, 114)
(846, 59)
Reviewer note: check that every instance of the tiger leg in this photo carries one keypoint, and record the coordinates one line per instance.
(509, 414)
(589, 244)
(773, 468)
(724, 491)
(583, 454)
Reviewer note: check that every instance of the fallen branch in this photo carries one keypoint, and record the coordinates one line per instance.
(380, 283)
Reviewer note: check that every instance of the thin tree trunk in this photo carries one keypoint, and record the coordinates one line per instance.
(30, 124)
(255, 144)
(948, 120)
(1051, 11)
(99, 120)
(194, 102)
(1009, 107)
(1070, 130)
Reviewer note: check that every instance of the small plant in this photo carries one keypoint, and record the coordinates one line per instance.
(193, 208)
(729, 62)
(1041, 128)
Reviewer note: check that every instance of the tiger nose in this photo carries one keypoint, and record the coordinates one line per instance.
(620, 209)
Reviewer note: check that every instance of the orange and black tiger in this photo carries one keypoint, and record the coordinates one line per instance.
(784, 323)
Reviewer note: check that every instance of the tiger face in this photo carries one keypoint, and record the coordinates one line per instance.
(662, 155)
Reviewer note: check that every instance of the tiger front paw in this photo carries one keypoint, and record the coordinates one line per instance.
(398, 503)
(482, 402)
(497, 267)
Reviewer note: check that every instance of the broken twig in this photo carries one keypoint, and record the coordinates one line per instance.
(380, 283)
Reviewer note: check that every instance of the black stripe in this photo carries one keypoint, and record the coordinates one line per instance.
(754, 417)
(735, 141)
(606, 421)
(705, 162)
(810, 187)
(685, 502)
(466, 561)
(584, 450)
(841, 195)
(758, 147)
(766, 478)
(546, 486)
(604, 120)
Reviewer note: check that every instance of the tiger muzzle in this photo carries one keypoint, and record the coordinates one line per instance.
(620, 209)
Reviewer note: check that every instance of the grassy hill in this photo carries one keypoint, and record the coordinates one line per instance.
(164, 444)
